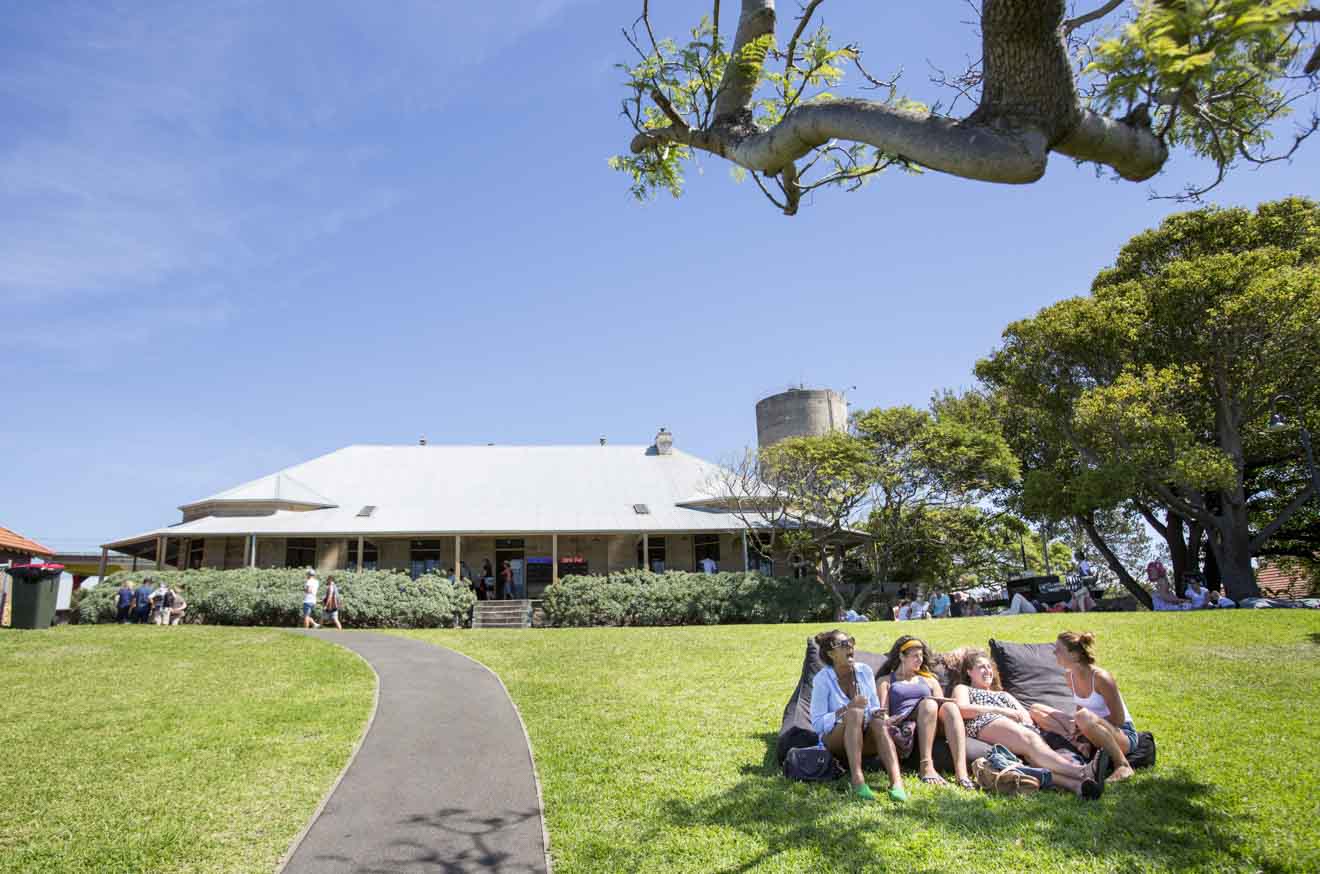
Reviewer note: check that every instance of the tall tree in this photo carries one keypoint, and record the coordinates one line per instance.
(1162, 381)
(1118, 86)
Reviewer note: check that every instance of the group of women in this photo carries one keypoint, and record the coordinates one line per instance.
(856, 714)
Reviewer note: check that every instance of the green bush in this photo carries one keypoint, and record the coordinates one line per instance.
(637, 597)
(273, 596)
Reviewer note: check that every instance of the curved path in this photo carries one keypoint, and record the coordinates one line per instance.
(443, 780)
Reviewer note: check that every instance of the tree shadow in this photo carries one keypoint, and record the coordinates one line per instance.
(1155, 820)
(1314, 637)
(452, 840)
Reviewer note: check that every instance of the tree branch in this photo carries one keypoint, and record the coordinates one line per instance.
(1268, 531)
(733, 105)
(1094, 15)
(1134, 152)
(791, 52)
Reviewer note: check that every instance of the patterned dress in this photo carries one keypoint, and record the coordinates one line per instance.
(989, 698)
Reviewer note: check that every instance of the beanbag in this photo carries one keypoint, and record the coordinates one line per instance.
(1029, 671)
(795, 726)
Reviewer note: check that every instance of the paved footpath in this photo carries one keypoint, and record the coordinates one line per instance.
(443, 781)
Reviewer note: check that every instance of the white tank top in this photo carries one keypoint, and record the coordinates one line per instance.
(1095, 702)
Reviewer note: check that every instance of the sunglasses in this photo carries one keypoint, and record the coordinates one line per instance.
(841, 642)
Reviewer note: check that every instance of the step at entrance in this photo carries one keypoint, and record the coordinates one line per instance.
(502, 614)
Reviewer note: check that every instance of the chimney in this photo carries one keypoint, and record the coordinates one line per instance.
(664, 443)
(602, 441)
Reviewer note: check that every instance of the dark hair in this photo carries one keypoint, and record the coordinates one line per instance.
(1081, 645)
(825, 641)
(969, 660)
(893, 657)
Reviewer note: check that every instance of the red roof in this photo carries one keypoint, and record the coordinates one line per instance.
(14, 542)
(1281, 583)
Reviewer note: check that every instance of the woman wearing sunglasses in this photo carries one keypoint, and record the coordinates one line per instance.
(847, 716)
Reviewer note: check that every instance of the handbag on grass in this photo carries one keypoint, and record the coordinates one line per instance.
(1003, 773)
(811, 765)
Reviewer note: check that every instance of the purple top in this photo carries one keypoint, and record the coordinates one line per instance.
(904, 697)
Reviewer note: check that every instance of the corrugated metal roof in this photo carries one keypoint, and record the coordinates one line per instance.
(12, 541)
(482, 489)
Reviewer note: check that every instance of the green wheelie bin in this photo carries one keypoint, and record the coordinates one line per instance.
(35, 589)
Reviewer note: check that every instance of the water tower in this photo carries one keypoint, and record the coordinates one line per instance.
(800, 412)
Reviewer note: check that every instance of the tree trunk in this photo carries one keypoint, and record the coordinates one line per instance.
(1231, 543)
(1088, 522)
(1177, 547)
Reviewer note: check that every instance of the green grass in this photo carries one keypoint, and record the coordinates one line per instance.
(655, 748)
(190, 749)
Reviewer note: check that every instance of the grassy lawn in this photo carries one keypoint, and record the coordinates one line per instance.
(190, 749)
(655, 748)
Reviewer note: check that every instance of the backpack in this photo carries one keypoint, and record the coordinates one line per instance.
(1143, 754)
(811, 765)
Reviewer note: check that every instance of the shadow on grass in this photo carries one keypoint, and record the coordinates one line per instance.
(1314, 637)
(1158, 820)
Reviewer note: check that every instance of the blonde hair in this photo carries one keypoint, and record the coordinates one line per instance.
(1081, 645)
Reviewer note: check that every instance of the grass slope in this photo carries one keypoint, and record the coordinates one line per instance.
(655, 748)
(190, 749)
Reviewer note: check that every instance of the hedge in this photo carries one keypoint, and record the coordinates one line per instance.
(638, 597)
(273, 596)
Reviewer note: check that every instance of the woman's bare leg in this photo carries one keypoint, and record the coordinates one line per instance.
(878, 741)
(1099, 732)
(845, 742)
(955, 733)
(1032, 747)
(927, 718)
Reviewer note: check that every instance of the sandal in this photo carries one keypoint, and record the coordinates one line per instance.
(964, 783)
(933, 778)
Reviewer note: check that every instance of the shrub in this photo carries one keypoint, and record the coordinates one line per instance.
(637, 597)
(273, 596)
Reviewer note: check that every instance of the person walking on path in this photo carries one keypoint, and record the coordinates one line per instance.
(331, 603)
(124, 602)
(309, 599)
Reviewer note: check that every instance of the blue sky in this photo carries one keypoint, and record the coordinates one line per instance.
(237, 235)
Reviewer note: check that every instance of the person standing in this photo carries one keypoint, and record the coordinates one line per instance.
(142, 601)
(177, 607)
(162, 600)
(504, 588)
(124, 602)
(309, 599)
(330, 605)
(709, 565)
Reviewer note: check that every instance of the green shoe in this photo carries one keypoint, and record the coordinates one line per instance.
(862, 791)
(898, 793)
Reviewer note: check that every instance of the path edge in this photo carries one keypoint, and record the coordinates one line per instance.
(352, 756)
(527, 738)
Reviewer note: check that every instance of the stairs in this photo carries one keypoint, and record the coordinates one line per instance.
(502, 614)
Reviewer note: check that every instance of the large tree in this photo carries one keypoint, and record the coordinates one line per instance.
(1162, 381)
(1118, 85)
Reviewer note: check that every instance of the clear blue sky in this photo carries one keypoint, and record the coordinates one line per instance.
(234, 236)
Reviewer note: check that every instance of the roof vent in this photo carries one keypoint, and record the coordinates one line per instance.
(422, 442)
(664, 443)
(641, 509)
(367, 510)
(602, 441)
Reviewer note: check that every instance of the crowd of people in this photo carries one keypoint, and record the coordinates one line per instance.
(145, 602)
(856, 714)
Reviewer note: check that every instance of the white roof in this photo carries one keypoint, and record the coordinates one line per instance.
(477, 489)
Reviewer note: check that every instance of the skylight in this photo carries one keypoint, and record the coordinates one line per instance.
(641, 509)
(367, 510)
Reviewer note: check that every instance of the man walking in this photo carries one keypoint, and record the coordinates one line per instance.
(124, 602)
(309, 599)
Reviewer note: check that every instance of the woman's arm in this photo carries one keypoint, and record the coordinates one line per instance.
(1107, 686)
(825, 711)
(962, 696)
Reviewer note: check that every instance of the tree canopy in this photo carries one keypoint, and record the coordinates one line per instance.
(1158, 387)
(1120, 86)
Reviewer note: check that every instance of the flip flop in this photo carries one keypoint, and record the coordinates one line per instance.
(964, 783)
(934, 780)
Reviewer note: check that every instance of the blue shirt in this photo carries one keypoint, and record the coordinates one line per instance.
(939, 606)
(827, 697)
(125, 596)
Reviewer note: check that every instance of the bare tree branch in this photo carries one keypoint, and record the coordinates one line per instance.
(790, 55)
(1094, 15)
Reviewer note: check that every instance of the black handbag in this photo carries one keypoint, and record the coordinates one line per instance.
(811, 765)
(1143, 754)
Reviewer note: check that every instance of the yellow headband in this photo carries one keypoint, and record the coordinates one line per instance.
(911, 643)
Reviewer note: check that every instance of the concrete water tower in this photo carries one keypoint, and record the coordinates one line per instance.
(800, 412)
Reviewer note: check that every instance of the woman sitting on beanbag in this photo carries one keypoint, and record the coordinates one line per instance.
(997, 717)
(914, 706)
(1101, 718)
(844, 710)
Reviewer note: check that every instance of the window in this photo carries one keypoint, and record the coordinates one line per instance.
(196, 553)
(424, 557)
(370, 555)
(705, 546)
(759, 547)
(655, 554)
(300, 552)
